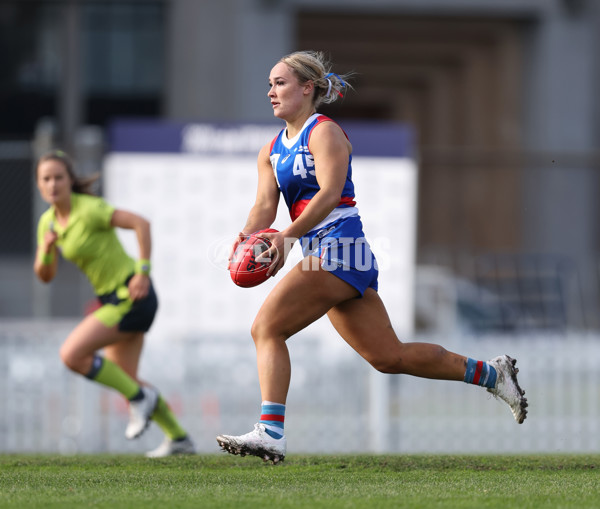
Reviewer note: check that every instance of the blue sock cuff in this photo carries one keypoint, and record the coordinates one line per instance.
(470, 372)
(272, 408)
(272, 415)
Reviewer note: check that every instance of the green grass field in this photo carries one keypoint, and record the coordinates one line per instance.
(110, 481)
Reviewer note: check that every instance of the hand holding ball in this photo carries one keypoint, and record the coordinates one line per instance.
(245, 271)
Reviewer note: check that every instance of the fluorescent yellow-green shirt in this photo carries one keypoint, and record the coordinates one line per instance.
(90, 242)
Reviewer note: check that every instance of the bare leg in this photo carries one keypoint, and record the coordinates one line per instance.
(301, 297)
(126, 354)
(365, 326)
(305, 294)
(122, 351)
(91, 335)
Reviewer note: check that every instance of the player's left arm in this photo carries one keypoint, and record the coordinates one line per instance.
(139, 284)
(331, 151)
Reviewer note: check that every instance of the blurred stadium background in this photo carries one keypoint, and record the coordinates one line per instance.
(500, 228)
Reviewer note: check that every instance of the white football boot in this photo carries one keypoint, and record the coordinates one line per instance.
(507, 388)
(256, 443)
(172, 447)
(140, 412)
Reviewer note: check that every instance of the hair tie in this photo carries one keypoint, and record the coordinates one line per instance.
(340, 79)
(328, 87)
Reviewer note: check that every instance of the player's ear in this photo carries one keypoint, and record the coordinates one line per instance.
(309, 86)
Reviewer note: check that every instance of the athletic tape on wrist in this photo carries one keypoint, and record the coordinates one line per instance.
(143, 267)
(47, 258)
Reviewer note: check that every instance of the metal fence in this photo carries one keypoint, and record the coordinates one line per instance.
(337, 403)
(506, 292)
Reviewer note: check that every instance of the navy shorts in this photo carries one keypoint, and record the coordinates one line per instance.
(344, 252)
(132, 316)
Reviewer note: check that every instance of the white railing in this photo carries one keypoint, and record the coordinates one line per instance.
(337, 403)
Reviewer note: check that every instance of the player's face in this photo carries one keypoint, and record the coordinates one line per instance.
(53, 181)
(287, 95)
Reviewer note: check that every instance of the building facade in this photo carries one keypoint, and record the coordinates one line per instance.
(501, 94)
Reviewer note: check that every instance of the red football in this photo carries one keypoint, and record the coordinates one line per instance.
(245, 271)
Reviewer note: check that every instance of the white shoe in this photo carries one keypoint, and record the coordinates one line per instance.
(507, 388)
(171, 447)
(140, 412)
(256, 443)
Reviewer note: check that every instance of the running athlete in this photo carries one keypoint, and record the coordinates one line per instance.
(81, 227)
(309, 163)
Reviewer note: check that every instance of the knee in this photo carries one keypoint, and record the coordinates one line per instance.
(259, 330)
(72, 360)
(263, 331)
(388, 366)
(392, 364)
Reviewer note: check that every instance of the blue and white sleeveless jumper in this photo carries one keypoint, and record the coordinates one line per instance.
(339, 239)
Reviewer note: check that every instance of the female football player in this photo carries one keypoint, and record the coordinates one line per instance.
(81, 227)
(309, 163)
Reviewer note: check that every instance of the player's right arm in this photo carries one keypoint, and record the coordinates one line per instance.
(46, 258)
(264, 211)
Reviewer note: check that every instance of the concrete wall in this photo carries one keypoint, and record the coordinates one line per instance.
(219, 57)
